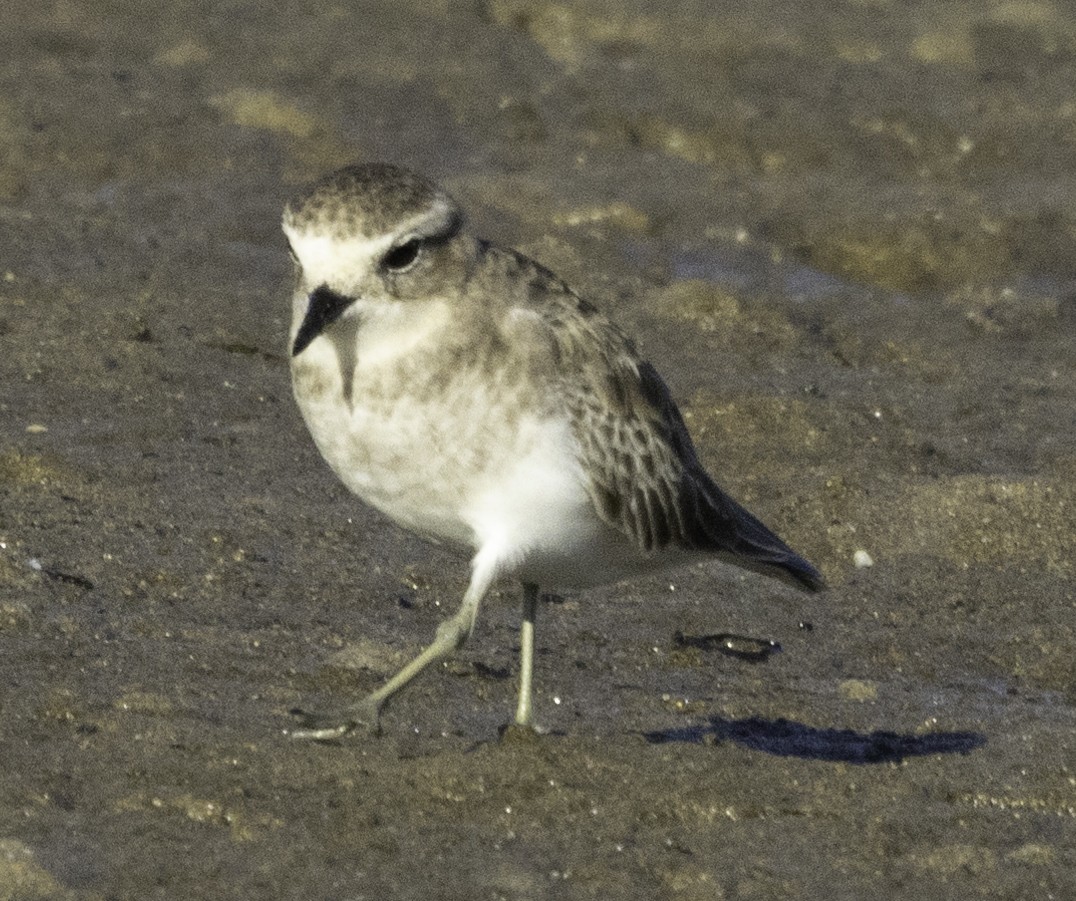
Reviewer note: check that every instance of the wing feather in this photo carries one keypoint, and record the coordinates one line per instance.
(645, 478)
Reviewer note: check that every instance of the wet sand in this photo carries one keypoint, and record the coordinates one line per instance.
(844, 234)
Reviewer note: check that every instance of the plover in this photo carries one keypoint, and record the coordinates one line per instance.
(468, 393)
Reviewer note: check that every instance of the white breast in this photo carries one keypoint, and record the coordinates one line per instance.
(455, 461)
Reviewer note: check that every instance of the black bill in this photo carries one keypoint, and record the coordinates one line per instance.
(326, 306)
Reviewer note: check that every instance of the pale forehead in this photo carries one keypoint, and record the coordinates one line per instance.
(365, 201)
(324, 256)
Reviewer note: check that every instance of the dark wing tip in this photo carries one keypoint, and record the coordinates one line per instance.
(804, 572)
(724, 526)
(710, 519)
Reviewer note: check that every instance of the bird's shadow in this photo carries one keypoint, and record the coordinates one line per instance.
(786, 738)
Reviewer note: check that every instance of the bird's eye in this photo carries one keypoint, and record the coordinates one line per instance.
(402, 256)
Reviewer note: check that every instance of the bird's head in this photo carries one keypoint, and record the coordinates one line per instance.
(368, 235)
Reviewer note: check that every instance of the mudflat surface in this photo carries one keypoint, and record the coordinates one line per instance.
(843, 231)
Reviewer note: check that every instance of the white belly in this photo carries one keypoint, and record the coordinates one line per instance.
(461, 464)
(459, 460)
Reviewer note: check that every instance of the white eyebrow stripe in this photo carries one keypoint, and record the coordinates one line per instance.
(330, 256)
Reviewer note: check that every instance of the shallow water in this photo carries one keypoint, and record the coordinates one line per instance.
(843, 233)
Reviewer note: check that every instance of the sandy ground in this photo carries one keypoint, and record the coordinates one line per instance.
(844, 232)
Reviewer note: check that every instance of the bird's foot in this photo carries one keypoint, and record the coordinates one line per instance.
(329, 725)
(520, 733)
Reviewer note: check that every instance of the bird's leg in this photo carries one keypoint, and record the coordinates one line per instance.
(451, 635)
(524, 712)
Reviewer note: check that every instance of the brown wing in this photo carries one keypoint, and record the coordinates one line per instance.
(714, 521)
(645, 476)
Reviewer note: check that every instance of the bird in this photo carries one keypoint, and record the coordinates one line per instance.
(469, 394)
